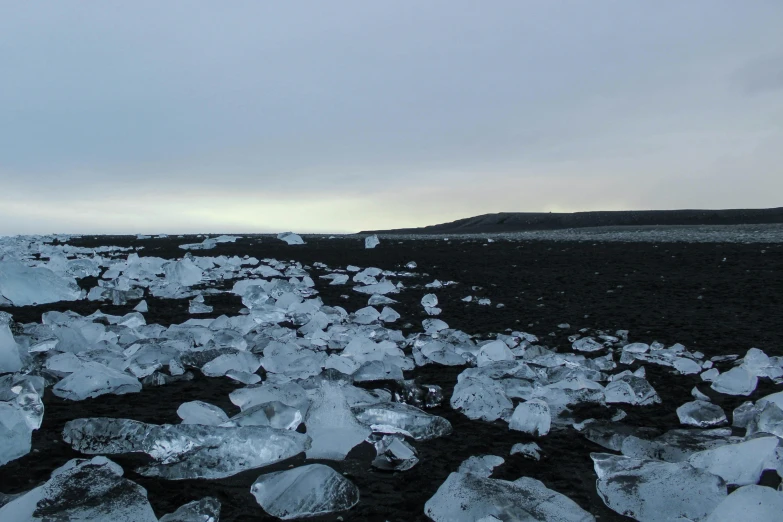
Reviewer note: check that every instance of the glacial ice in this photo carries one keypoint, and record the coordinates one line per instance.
(701, 414)
(199, 412)
(493, 352)
(95, 379)
(291, 238)
(467, 497)
(654, 491)
(394, 417)
(394, 454)
(631, 390)
(480, 398)
(482, 466)
(184, 451)
(205, 510)
(23, 285)
(331, 424)
(371, 241)
(737, 381)
(739, 464)
(83, 490)
(306, 491)
(749, 503)
(10, 357)
(587, 344)
(531, 417)
(530, 450)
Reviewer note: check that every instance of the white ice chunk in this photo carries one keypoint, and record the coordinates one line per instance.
(701, 414)
(382, 288)
(291, 238)
(371, 241)
(394, 454)
(402, 417)
(83, 490)
(532, 417)
(654, 491)
(631, 390)
(749, 503)
(480, 398)
(737, 381)
(198, 412)
(332, 425)
(240, 361)
(141, 307)
(530, 450)
(388, 315)
(740, 464)
(186, 451)
(493, 352)
(10, 358)
(306, 491)
(205, 510)
(23, 286)
(481, 466)
(95, 379)
(587, 344)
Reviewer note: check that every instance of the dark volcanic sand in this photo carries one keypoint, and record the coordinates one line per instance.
(654, 294)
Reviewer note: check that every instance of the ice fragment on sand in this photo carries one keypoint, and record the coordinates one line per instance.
(306, 491)
(205, 510)
(95, 379)
(240, 361)
(654, 491)
(394, 454)
(432, 326)
(382, 288)
(480, 398)
(371, 241)
(532, 417)
(388, 315)
(701, 414)
(141, 307)
(291, 238)
(467, 497)
(481, 466)
(23, 286)
(737, 381)
(10, 358)
(687, 366)
(749, 503)
(83, 490)
(332, 425)
(587, 344)
(492, 352)
(738, 464)
(530, 450)
(631, 390)
(198, 412)
(185, 451)
(392, 417)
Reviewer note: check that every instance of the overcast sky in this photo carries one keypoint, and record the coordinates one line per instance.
(338, 116)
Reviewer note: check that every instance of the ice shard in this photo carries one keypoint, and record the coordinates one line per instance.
(24, 286)
(701, 414)
(371, 241)
(184, 451)
(737, 381)
(393, 417)
(95, 379)
(394, 454)
(332, 425)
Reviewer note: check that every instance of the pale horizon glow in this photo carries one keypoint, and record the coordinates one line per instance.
(253, 117)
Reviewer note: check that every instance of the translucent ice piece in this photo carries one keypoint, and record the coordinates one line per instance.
(306, 491)
(419, 424)
(205, 510)
(332, 425)
(749, 503)
(701, 414)
(531, 417)
(740, 464)
(737, 381)
(198, 412)
(95, 379)
(23, 286)
(291, 238)
(371, 241)
(394, 454)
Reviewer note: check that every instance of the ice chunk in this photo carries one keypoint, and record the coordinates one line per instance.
(183, 272)
(395, 417)
(701, 414)
(197, 306)
(95, 379)
(378, 371)
(205, 510)
(737, 381)
(382, 288)
(243, 377)
(10, 358)
(185, 451)
(654, 491)
(480, 398)
(376, 300)
(23, 286)
(142, 307)
(687, 366)
(394, 454)
(274, 414)
(332, 425)
(371, 241)
(587, 344)
(290, 393)
(433, 326)
(198, 412)
(493, 352)
(15, 433)
(530, 450)
(631, 390)
(83, 490)
(749, 503)
(291, 238)
(240, 361)
(738, 464)
(531, 417)
(429, 301)
(698, 395)
(388, 315)
(481, 466)
(710, 375)
(676, 445)
(466, 497)
(306, 491)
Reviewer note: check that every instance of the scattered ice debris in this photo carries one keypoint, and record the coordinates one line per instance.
(306, 491)
(394, 417)
(530, 450)
(710, 375)
(185, 451)
(198, 412)
(205, 510)
(291, 238)
(484, 302)
(430, 304)
(394, 454)
(701, 414)
(467, 299)
(749, 503)
(21, 285)
(87, 490)
(655, 491)
(531, 417)
(466, 497)
(371, 241)
(737, 381)
(410, 265)
(381, 288)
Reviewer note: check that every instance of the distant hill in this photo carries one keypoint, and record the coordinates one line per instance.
(521, 221)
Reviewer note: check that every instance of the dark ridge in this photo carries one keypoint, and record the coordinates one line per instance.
(522, 221)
